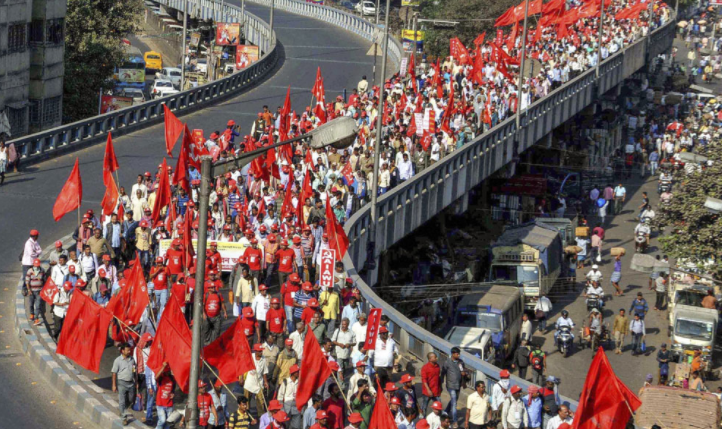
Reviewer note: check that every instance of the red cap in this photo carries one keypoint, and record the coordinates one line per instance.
(321, 414)
(201, 383)
(383, 330)
(68, 286)
(289, 342)
(176, 242)
(106, 257)
(360, 364)
(284, 242)
(257, 347)
(231, 123)
(294, 278)
(214, 244)
(71, 269)
(390, 387)
(144, 224)
(58, 243)
(275, 301)
(102, 274)
(324, 235)
(436, 405)
(281, 417)
(357, 418)
(36, 263)
(147, 174)
(261, 287)
(313, 303)
(294, 369)
(247, 312)
(274, 405)
(34, 232)
(515, 389)
(307, 286)
(406, 378)
(296, 239)
(80, 283)
(395, 401)
(422, 424)
(272, 238)
(504, 374)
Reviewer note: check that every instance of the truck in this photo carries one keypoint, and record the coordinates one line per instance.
(487, 324)
(531, 255)
(677, 408)
(694, 328)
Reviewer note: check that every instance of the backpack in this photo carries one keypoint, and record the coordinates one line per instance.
(537, 361)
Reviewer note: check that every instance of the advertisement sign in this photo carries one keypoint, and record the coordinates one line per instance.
(131, 75)
(410, 2)
(409, 40)
(111, 103)
(404, 66)
(372, 328)
(522, 185)
(246, 55)
(228, 33)
(195, 39)
(328, 261)
(230, 252)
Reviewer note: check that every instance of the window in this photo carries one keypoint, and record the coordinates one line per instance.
(17, 37)
(34, 110)
(51, 110)
(37, 31)
(18, 121)
(55, 31)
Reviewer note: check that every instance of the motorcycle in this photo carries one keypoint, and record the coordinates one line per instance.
(565, 340)
(594, 301)
(640, 242)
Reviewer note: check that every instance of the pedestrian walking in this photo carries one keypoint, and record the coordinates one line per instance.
(620, 194)
(34, 282)
(620, 329)
(664, 357)
(453, 371)
(541, 311)
(521, 359)
(124, 380)
(660, 288)
(430, 381)
(538, 363)
(617, 276)
(639, 306)
(636, 327)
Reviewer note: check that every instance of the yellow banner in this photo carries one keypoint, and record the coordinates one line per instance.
(409, 35)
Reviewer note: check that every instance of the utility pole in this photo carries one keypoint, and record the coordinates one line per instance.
(379, 125)
(599, 40)
(521, 69)
(273, 4)
(183, 49)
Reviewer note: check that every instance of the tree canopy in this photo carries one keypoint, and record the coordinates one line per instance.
(94, 29)
(692, 232)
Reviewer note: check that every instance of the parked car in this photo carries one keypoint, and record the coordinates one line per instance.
(366, 8)
(162, 87)
(172, 74)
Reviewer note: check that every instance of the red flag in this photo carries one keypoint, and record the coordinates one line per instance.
(317, 82)
(230, 354)
(121, 212)
(320, 109)
(448, 112)
(458, 51)
(347, 171)
(50, 289)
(381, 418)
(605, 401)
(511, 16)
(110, 162)
(372, 328)
(412, 74)
(172, 344)
(480, 39)
(271, 160)
(84, 333)
(337, 238)
(314, 370)
(173, 129)
(283, 122)
(110, 199)
(130, 302)
(180, 175)
(438, 81)
(163, 194)
(287, 206)
(426, 140)
(71, 196)
(511, 41)
(553, 6)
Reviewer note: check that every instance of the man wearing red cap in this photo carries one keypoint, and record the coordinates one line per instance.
(56, 252)
(257, 379)
(286, 262)
(321, 420)
(174, 259)
(287, 358)
(254, 257)
(34, 282)
(276, 319)
(289, 289)
(384, 355)
(356, 421)
(142, 243)
(270, 247)
(260, 305)
(407, 393)
(499, 393)
(514, 415)
(214, 311)
(267, 419)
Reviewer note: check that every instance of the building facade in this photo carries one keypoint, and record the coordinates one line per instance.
(32, 34)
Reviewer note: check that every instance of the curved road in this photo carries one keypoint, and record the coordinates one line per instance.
(27, 198)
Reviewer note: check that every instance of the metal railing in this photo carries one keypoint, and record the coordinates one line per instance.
(340, 18)
(447, 182)
(40, 146)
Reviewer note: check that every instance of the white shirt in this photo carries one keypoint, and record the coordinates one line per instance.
(565, 322)
(343, 337)
(544, 304)
(287, 390)
(383, 354)
(297, 343)
(260, 306)
(58, 274)
(433, 420)
(498, 396)
(406, 170)
(254, 378)
(557, 421)
(360, 332)
(594, 275)
(61, 297)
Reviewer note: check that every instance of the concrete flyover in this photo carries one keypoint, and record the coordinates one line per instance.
(409, 205)
(29, 367)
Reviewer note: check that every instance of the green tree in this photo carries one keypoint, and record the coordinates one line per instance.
(474, 17)
(692, 231)
(94, 29)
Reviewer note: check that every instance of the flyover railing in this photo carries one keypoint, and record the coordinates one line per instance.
(409, 205)
(70, 137)
(347, 21)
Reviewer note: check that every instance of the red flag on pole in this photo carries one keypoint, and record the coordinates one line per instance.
(287, 206)
(50, 289)
(163, 194)
(84, 333)
(605, 402)
(372, 328)
(180, 175)
(173, 129)
(188, 251)
(110, 162)
(480, 39)
(71, 196)
(110, 199)
(130, 302)
(172, 344)
(285, 112)
(381, 417)
(458, 51)
(412, 71)
(337, 238)
(314, 370)
(230, 354)
(320, 109)
(317, 82)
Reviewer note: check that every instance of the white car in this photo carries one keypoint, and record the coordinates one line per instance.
(134, 93)
(172, 74)
(162, 87)
(202, 65)
(366, 8)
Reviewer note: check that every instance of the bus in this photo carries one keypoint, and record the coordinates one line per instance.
(487, 324)
(131, 73)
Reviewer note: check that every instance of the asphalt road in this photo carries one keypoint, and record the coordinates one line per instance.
(27, 198)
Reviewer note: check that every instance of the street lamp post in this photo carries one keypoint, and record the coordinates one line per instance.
(183, 51)
(521, 68)
(270, 20)
(339, 133)
(379, 125)
(600, 40)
